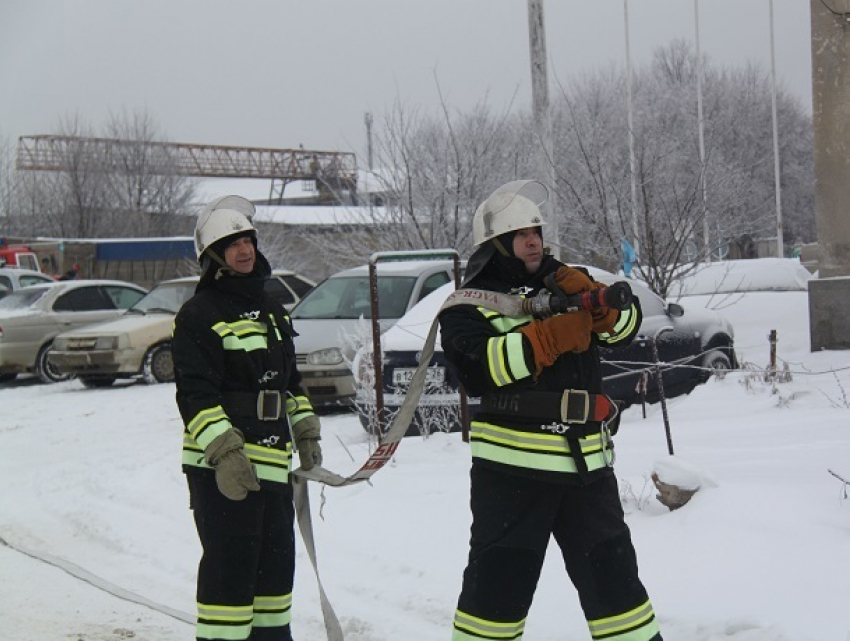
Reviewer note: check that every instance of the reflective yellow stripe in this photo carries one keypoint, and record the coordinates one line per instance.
(470, 628)
(624, 326)
(544, 451)
(208, 424)
(224, 622)
(272, 464)
(243, 335)
(272, 611)
(638, 624)
(496, 361)
(274, 324)
(516, 356)
(298, 407)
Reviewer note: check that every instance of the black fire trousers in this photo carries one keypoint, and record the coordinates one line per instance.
(512, 519)
(248, 561)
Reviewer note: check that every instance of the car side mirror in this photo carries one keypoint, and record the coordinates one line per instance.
(675, 310)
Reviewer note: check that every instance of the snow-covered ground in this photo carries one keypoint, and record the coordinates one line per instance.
(91, 483)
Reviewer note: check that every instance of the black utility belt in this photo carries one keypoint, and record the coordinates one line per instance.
(571, 407)
(265, 405)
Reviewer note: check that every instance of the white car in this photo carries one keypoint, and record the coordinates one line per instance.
(332, 319)
(13, 278)
(138, 345)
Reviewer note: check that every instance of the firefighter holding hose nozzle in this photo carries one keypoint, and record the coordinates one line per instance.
(542, 452)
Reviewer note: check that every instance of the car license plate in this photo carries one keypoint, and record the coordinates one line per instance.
(433, 375)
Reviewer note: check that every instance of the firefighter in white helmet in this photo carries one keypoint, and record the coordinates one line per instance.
(541, 446)
(239, 394)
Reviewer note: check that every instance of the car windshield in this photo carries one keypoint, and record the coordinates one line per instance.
(348, 297)
(168, 297)
(22, 298)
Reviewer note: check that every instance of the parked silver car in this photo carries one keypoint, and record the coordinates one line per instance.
(332, 318)
(30, 318)
(138, 345)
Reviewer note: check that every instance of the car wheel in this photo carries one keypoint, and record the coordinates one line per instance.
(94, 382)
(716, 363)
(45, 371)
(5, 378)
(159, 365)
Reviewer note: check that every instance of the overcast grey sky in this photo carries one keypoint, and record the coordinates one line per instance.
(279, 73)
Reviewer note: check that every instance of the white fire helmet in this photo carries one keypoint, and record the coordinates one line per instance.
(514, 205)
(220, 218)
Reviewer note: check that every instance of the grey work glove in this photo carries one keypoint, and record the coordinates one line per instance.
(234, 473)
(306, 433)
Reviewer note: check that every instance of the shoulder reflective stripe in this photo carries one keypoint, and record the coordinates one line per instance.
(516, 356)
(245, 335)
(224, 621)
(240, 327)
(468, 627)
(208, 424)
(542, 451)
(638, 624)
(274, 324)
(496, 361)
(624, 327)
(502, 323)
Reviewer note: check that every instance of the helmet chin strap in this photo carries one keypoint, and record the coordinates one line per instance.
(499, 246)
(224, 269)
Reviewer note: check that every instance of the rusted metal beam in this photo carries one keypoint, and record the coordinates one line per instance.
(58, 153)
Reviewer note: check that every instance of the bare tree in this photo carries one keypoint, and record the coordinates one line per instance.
(128, 188)
(593, 175)
(145, 188)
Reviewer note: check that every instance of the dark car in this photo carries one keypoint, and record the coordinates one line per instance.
(698, 343)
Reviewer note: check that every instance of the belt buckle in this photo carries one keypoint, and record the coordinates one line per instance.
(565, 406)
(268, 405)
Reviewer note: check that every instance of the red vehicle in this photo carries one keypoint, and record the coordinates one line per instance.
(17, 256)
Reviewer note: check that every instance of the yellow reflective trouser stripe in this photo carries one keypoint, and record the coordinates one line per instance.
(298, 407)
(271, 464)
(542, 451)
(208, 424)
(470, 628)
(638, 624)
(272, 611)
(624, 326)
(224, 622)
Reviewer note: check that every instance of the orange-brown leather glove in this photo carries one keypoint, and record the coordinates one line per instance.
(573, 281)
(552, 337)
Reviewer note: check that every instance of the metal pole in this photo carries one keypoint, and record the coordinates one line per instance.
(542, 116)
(367, 119)
(780, 241)
(660, 380)
(629, 112)
(706, 238)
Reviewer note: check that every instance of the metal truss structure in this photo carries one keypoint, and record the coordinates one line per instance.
(332, 169)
